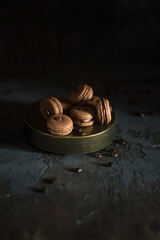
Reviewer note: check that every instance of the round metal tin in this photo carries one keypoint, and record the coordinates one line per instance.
(97, 136)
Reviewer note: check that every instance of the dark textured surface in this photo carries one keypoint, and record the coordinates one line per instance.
(48, 47)
(118, 202)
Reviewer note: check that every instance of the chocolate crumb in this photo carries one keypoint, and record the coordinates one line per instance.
(122, 142)
(119, 141)
(53, 180)
(109, 164)
(77, 129)
(98, 155)
(114, 154)
(79, 169)
(141, 114)
(49, 180)
(82, 133)
(79, 132)
(138, 114)
(45, 190)
(112, 150)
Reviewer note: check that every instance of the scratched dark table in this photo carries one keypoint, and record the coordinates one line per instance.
(120, 202)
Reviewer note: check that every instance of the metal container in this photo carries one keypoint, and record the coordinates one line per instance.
(97, 136)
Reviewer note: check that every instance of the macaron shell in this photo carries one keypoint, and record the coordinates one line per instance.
(82, 93)
(77, 93)
(103, 111)
(87, 95)
(60, 132)
(82, 112)
(83, 124)
(47, 108)
(99, 110)
(104, 102)
(108, 110)
(60, 124)
(85, 91)
(58, 105)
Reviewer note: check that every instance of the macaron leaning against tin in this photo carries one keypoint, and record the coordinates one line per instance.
(82, 116)
(103, 111)
(50, 106)
(60, 125)
(81, 94)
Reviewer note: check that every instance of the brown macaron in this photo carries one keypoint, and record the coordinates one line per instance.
(66, 104)
(82, 116)
(103, 111)
(50, 106)
(81, 94)
(60, 125)
(93, 101)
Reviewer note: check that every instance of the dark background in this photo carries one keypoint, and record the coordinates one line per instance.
(36, 36)
(47, 48)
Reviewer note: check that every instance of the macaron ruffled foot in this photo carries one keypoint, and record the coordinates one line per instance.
(82, 116)
(60, 125)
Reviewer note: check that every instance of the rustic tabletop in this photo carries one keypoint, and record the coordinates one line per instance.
(115, 196)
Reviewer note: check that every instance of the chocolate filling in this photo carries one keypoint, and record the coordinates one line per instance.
(82, 120)
(82, 109)
(63, 131)
(104, 110)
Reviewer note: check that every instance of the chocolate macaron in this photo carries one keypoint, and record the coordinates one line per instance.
(66, 104)
(60, 125)
(50, 106)
(81, 94)
(103, 111)
(93, 101)
(82, 116)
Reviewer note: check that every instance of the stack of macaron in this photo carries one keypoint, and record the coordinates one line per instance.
(81, 109)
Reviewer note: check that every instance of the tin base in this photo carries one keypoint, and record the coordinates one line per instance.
(96, 138)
